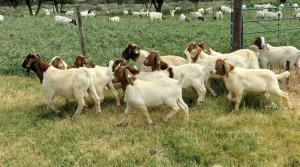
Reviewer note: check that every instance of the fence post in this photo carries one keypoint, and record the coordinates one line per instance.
(83, 51)
(287, 68)
(237, 22)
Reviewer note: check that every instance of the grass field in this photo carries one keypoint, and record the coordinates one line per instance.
(31, 135)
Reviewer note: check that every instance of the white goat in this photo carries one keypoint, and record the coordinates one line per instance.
(64, 20)
(138, 55)
(237, 80)
(201, 10)
(136, 14)
(114, 19)
(276, 57)
(218, 15)
(195, 53)
(182, 17)
(194, 74)
(172, 12)
(273, 15)
(260, 14)
(142, 94)
(101, 76)
(208, 10)
(155, 16)
(297, 16)
(69, 13)
(70, 84)
(1, 18)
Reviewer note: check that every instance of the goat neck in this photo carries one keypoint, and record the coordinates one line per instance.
(157, 64)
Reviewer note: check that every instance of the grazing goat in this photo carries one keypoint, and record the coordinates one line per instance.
(114, 19)
(70, 84)
(58, 63)
(218, 15)
(208, 10)
(64, 20)
(194, 74)
(156, 16)
(138, 55)
(194, 53)
(182, 17)
(102, 76)
(142, 94)
(85, 13)
(69, 13)
(237, 80)
(276, 57)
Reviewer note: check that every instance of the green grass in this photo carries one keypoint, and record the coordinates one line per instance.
(32, 135)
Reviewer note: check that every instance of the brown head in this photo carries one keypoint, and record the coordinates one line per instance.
(74, 22)
(123, 75)
(123, 62)
(58, 63)
(222, 68)
(194, 49)
(82, 61)
(131, 52)
(156, 63)
(33, 62)
(260, 42)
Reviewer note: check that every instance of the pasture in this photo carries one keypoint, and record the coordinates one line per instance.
(261, 134)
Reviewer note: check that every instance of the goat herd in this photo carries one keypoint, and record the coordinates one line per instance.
(156, 80)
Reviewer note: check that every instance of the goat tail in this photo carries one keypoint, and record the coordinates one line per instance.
(182, 78)
(283, 75)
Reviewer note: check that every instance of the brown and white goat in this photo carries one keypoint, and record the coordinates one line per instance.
(142, 94)
(58, 63)
(70, 84)
(237, 80)
(101, 76)
(138, 55)
(194, 74)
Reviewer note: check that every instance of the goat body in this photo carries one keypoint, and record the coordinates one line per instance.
(238, 80)
(70, 84)
(142, 94)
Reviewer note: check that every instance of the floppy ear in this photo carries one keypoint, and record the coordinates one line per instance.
(128, 76)
(38, 56)
(228, 67)
(133, 70)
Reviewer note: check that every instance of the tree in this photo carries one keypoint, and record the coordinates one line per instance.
(196, 2)
(157, 4)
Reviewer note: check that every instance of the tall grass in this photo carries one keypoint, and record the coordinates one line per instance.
(32, 135)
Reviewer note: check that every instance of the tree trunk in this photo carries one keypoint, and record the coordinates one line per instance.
(28, 3)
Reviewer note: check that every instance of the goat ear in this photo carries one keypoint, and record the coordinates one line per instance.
(128, 76)
(38, 55)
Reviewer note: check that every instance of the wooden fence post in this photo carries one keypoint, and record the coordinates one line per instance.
(237, 25)
(83, 51)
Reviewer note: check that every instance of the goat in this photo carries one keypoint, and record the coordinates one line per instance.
(142, 94)
(101, 76)
(194, 53)
(70, 84)
(69, 13)
(182, 17)
(208, 10)
(64, 20)
(172, 12)
(276, 57)
(114, 19)
(218, 15)
(197, 15)
(58, 63)
(237, 80)
(250, 55)
(156, 16)
(138, 55)
(194, 74)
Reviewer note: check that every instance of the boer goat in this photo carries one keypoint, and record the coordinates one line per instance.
(237, 80)
(102, 76)
(194, 74)
(276, 57)
(70, 84)
(138, 55)
(142, 94)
